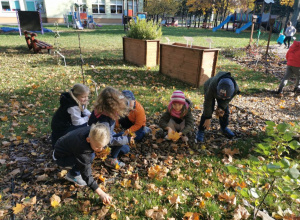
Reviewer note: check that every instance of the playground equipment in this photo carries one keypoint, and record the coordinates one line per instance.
(78, 17)
(263, 18)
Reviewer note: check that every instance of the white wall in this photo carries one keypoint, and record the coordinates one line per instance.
(57, 8)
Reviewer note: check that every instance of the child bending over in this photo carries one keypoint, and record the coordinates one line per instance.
(135, 121)
(109, 106)
(77, 149)
(72, 112)
(178, 116)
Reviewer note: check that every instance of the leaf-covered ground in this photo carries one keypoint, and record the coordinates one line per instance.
(163, 179)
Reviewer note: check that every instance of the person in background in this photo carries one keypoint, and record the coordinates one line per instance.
(293, 67)
(290, 31)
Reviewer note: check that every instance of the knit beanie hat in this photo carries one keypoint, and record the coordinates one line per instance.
(225, 88)
(128, 94)
(178, 96)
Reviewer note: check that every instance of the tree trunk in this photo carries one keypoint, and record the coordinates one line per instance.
(216, 19)
(296, 13)
(287, 19)
(199, 21)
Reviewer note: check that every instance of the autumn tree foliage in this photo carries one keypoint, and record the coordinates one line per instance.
(161, 7)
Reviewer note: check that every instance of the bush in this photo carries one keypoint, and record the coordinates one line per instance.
(141, 29)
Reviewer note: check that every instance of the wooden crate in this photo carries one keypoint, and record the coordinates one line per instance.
(193, 65)
(141, 52)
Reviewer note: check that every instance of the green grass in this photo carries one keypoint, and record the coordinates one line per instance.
(31, 85)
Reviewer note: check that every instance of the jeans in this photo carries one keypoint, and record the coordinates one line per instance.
(118, 151)
(126, 123)
(287, 39)
(290, 70)
(71, 162)
(224, 121)
(56, 135)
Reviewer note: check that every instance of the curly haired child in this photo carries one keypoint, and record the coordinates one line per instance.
(178, 116)
(110, 105)
(77, 149)
(72, 112)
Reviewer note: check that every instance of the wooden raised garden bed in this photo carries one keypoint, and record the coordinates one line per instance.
(193, 65)
(141, 52)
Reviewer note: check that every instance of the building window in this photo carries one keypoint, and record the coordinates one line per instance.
(98, 6)
(35, 5)
(10, 5)
(116, 6)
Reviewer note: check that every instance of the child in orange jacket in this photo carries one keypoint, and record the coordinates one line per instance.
(135, 121)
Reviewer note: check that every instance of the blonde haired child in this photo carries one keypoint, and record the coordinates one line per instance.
(178, 116)
(77, 149)
(109, 106)
(72, 112)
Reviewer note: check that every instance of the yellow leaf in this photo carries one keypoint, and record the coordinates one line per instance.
(174, 136)
(117, 167)
(207, 194)
(62, 173)
(126, 183)
(4, 118)
(114, 215)
(101, 178)
(89, 81)
(54, 204)
(55, 200)
(19, 208)
(103, 154)
(202, 204)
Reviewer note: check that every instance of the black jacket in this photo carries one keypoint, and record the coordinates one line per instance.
(61, 120)
(74, 144)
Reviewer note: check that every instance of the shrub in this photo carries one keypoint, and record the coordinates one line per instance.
(141, 29)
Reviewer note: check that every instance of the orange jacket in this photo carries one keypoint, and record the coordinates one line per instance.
(137, 116)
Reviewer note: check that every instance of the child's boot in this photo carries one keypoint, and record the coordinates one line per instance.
(227, 132)
(75, 179)
(112, 162)
(200, 136)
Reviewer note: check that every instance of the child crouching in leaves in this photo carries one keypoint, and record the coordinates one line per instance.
(77, 149)
(135, 121)
(109, 106)
(178, 116)
(72, 112)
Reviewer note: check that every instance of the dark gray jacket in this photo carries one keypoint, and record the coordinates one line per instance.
(74, 144)
(210, 93)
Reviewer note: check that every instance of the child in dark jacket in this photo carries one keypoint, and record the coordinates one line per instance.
(77, 149)
(72, 112)
(293, 67)
(109, 106)
(178, 116)
(221, 88)
(135, 121)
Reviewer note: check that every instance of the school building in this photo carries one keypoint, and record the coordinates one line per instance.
(103, 11)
